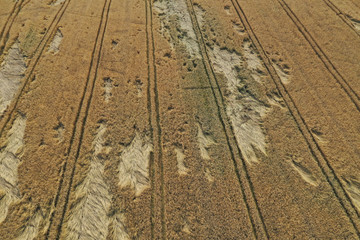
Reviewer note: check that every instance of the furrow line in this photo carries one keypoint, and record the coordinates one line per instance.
(50, 32)
(65, 170)
(341, 15)
(291, 14)
(319, 156)
(155, 122)
(149, 106)
(321, 54)
(4, 37)
(240, 167)
(8, 20)
(85, 118)
(356, 3)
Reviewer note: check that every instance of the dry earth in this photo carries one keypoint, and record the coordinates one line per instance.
(179, 119)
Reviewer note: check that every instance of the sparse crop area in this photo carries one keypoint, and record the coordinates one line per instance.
(179, 119)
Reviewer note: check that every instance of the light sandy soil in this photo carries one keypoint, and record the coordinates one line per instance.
(186, 119)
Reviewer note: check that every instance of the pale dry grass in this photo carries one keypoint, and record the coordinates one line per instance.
(244, 111)
(89, 217)
(253, 62)
(108, 85)
(117, 229)
(55, 43)
(134, 164)
(176, 12)
(284, 77)
(9, 162)
(353, 188)
(305, 174)
(12, 70)
(355, 22)
(31, 228)
(204, 141)
(180, 157)
(208, 175)
(56, 2)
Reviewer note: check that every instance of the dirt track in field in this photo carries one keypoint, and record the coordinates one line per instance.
(186, 119)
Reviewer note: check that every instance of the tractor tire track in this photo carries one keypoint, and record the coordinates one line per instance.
(320, 157)
(242, 175)
(356, 3)
(13, 11)
(321, 54)
(341, 15)
(50, 32)
(298, 23)
(8, 19)
(4, 35)
(149, 108)
(154, 120)
(85, 102)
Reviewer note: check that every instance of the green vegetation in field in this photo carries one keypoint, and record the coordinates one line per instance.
(29, 41)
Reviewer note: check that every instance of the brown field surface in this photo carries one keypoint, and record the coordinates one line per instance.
(179, 119)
